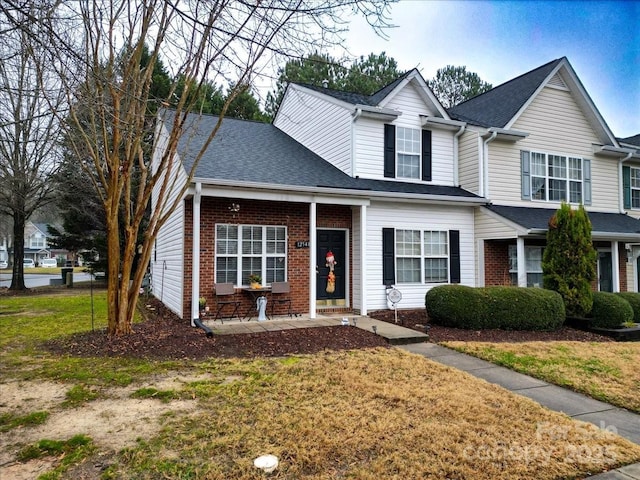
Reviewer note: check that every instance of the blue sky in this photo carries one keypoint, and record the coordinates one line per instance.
(500, 40)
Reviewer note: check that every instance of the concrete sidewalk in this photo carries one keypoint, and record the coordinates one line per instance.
(576, 405)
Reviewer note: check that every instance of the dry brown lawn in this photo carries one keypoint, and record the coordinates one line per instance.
(369, 415)
(606, 371)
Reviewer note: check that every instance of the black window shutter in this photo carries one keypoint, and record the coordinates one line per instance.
(426, 155)
(454, 255)
(626, 186)
(389, 150)
(388, 256)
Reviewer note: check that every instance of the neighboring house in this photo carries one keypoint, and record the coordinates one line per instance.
(371, 179)
(36, 244)
(531, 143)
(399, 190)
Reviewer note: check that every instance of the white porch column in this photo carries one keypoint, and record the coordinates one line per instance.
(312, 258)
(195, 260)
(522, 263)
(363, 260)
(615, 267)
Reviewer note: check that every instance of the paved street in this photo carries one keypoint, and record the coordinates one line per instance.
(40, 280)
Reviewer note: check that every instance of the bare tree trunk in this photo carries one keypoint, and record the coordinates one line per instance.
(17, 276)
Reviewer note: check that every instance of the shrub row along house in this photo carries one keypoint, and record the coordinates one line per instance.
(346, 194)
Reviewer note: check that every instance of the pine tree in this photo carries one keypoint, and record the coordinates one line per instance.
(569, 260)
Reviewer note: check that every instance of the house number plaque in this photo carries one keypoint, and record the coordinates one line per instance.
(302, 244)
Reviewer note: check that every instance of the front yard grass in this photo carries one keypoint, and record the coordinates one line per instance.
(605, 371)
(365, 414)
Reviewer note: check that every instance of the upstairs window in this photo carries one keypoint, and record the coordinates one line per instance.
(37, 241)
(635, 187)
(407, 153)
(555, 178)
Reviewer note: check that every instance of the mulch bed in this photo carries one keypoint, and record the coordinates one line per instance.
(164, 336)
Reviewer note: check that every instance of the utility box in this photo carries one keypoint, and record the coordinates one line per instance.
(67, 272)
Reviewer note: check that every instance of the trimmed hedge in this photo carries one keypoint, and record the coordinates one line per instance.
(506, 308)
(610, 310)
(634, 300)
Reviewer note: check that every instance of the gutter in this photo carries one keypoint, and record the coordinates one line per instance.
(334, 191)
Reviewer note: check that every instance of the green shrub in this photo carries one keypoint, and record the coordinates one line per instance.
(634, 300)
(507, 308)
(610, 310)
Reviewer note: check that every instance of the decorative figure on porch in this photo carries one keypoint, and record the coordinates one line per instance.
(331, 278)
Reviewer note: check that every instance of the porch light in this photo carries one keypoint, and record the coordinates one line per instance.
(234, 207)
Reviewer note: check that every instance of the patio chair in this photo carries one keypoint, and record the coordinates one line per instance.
(226, 295)
(280, 294)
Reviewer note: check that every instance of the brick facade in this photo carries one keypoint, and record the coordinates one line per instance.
(496, 263)
(295, 216)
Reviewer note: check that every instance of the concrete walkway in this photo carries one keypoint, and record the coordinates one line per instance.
(575, 405)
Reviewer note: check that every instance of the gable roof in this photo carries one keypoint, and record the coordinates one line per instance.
(259, 154)
(538, 219)
(633, 140)
(499, 105)
(380, 98)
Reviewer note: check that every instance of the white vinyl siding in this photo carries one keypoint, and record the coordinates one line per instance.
(556, 126)
(318, 124)
(167, 261)
(369, 140)
(469, 162)
(418, 217)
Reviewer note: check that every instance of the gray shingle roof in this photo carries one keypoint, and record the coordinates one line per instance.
(357, 98)
(538, 219)
(499, 105)
(246, 151)
(633, 140)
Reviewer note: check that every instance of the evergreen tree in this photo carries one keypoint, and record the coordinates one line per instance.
(569, 260)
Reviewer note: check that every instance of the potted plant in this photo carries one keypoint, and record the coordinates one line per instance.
(203, 303)
(255, 280)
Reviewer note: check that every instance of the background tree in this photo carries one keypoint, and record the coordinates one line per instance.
(453, 85)
(29, 130)
(370, 74)
(569, 259)
(110, 101)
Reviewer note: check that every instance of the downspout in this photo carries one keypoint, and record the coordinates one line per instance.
(455, 155)
(356, 115)
(195, 260)
(621, 183)
(485, 164)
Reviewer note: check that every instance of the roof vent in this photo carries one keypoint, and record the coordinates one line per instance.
(556, 81)
(325, 83)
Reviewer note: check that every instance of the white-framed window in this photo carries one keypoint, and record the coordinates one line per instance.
(408, 152)
(37, 240)
(422, 256)
(533, 265)
(635, 187)
(242, 250)
(556, 178)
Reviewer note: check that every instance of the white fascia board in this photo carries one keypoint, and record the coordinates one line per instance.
(614, 152)
(519, 229)
(378, 113)
(323, 96)
(506, 134)
(343, 196)
(441, 123)
(621, 237)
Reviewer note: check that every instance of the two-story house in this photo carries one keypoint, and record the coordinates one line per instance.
(530, 144)
(342, 196)
(396, 190)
